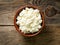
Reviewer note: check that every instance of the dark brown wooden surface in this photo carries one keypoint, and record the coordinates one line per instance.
(8, 34)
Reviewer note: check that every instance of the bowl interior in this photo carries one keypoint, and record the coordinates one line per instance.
(17, 13)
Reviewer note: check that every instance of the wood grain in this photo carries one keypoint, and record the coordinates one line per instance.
(49, 36)
(7, 11)
(7, 18)
(8, 34)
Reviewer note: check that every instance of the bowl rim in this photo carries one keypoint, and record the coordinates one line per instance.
(30, 6)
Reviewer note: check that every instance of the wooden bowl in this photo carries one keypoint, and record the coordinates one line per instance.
(17, 13)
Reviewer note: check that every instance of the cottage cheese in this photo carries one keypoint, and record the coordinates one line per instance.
(29, 20)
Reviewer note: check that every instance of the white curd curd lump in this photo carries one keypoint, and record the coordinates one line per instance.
(29, 20)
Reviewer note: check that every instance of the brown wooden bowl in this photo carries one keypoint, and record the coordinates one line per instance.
(17, 13)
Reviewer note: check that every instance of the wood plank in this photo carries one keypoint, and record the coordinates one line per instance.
(10, 1)
(7, 13)
(7, 16)
(53, 20)
(8, 34)
(49, 36)
(6, 5)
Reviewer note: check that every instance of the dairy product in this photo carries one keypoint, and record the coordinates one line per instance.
(29, 20)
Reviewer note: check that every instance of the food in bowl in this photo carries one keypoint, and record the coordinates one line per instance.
(17, 18)
(29, 20)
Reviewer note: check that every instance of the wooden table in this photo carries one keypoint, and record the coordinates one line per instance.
(8, 34)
